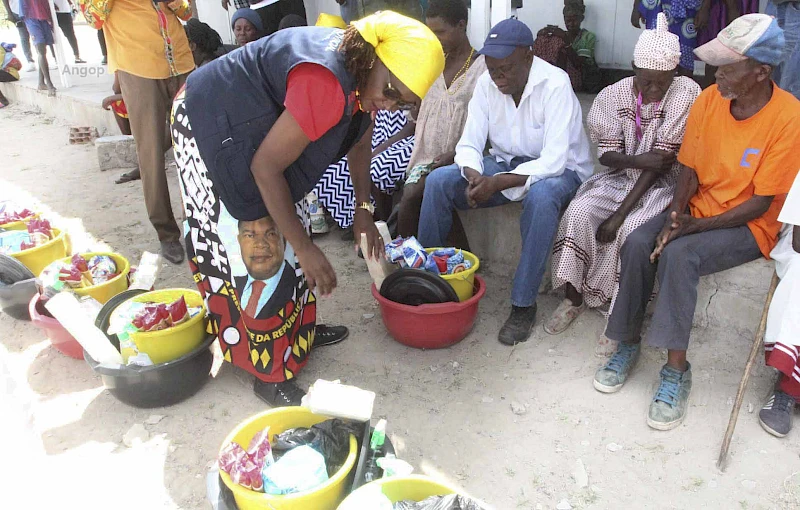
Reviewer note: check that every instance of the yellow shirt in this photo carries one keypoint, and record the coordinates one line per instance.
(147, 41)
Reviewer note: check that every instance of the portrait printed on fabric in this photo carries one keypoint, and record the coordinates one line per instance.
(258, 302)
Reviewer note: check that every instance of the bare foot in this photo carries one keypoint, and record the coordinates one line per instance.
(605, 347)
(51, 91)
(42, 86)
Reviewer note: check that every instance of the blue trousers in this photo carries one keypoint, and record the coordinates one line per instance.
(787, 75)
(445, 191)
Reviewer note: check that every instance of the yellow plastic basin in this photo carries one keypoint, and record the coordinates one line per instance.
(399, 488)
(103, 292)
(464, 282)
(39, 257)
(19, 225)
(325, 497)
(171, 343)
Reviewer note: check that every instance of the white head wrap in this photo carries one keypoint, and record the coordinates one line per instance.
(659, 49)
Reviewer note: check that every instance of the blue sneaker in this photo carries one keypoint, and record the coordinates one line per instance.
(669, 405)
(612, 375)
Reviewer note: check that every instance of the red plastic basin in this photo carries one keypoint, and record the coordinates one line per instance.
(431, 326)
(59, 337)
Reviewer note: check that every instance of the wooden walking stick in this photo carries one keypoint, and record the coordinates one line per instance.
(726, 441)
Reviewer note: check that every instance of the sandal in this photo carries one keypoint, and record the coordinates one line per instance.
(79, 60)
(131, 176)
(563, 317)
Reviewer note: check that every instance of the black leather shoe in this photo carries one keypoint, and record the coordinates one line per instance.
(283, 394)
(329, 335)
(518, 326)
(172, 251)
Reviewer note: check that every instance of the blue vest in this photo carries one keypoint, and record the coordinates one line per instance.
(233, 102)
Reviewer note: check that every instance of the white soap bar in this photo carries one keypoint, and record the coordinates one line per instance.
(339, 401)
(66, 310)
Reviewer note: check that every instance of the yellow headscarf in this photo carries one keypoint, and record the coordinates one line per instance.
(330, 20)
(407, 47)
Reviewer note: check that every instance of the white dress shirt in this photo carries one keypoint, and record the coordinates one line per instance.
(547, 126)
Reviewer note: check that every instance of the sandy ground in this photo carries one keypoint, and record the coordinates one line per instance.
(449, 411)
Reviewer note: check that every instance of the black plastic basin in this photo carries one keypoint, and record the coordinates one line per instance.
(159, 385)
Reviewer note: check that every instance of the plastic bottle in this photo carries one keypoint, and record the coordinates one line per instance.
(51, 290)
(372, 471)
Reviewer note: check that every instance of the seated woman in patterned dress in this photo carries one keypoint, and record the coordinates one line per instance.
(392, 143)
(638, 125)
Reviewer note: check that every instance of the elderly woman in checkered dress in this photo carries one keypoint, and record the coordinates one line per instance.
(638, 125)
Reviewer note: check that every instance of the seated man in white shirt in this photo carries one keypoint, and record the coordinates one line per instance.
(539, 156)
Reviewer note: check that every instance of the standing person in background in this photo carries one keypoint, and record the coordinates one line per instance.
(13, 15)
(64, 17)
(237, 4)
(101, 39)
(713, 16)
(39, 23)
(680, 16)
(148, 48)
(787, 74)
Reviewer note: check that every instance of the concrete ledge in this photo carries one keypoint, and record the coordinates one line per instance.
(74, 106)
(731, 299)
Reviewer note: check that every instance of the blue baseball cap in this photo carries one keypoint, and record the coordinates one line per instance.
(505, 37)
(755, 36)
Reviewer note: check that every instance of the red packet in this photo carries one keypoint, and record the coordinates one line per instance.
(260, 449)
(154, 317)
(43, 227)
(70, 276)
(178, 312)
(441, 263)
(229, 456)
(80, 263)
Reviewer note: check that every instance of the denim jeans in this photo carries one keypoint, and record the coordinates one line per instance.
(787, 75)
(541, 208)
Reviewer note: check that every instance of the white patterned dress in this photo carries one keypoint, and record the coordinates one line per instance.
(335, 188)
(592, 267)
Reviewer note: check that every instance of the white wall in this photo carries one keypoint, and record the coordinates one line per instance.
(211, 12)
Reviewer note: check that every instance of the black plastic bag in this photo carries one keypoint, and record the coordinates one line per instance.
(331, 438)
(450, 502)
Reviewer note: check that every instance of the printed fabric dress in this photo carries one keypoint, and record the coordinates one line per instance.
(388, 168)
(680, 16)
(273, 344)
(592, 267)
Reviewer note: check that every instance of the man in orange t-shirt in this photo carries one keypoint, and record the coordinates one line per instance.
(739, 160)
